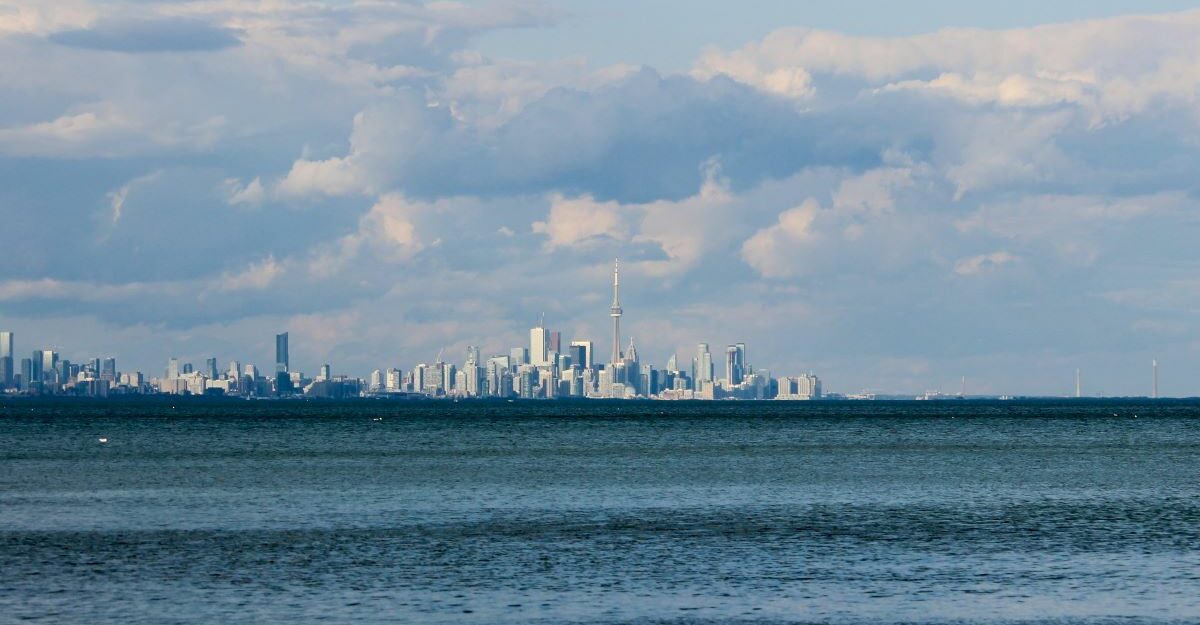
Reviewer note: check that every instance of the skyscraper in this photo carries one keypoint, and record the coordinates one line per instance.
(172, 368)
(704, 367)
(108, 370)
(733, 370)
(6, 359)
(49, 364)
(539, 344)
(210, 368)
(556, 342)
(582, 353)
(281, 353)
(615, 312)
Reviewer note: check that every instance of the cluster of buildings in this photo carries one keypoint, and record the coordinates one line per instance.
(544, 369)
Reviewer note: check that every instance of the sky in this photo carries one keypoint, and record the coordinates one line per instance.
(890, 195)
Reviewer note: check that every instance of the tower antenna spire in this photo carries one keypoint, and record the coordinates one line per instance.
(615, 312)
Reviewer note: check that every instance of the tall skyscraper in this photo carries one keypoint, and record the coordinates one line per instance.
(172, 368)
(704, 367)
(733, 370)
(615, 312)
(583, 353)
(539, 344)
(49, 364)
(6, 359)
(281, 353)
(108, 370)
(210, 368)
(556, 342)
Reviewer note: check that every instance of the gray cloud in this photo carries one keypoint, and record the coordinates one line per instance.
(149, 35)
(357, 174)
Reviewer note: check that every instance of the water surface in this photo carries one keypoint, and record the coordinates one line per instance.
(599, 512)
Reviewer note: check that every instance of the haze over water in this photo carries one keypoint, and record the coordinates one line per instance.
(272, 512)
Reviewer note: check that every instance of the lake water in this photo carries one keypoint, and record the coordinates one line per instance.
(600, 512)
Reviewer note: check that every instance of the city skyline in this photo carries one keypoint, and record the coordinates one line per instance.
(541, 369)
(895, 196)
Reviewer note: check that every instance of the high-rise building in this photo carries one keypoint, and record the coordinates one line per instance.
(6, 359)
(539, 344)
(377, 382)
(733, 364)
(518, 356)
(28, 372)
(418, 378)
(210, 368)
(583, 353)
(108, 370)
(172, 368)
(615, 312)
(704, 367)
(49, 364)
(556, 342)
(281, 353)
(324, 374)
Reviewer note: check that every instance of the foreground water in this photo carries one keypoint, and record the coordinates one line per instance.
(274, 512)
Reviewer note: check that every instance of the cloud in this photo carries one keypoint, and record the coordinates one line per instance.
(257, 276)
(117, 197)
(1111, 68)
(769, 250)
(252, 193)
(964, 176)
(149, 35)
(982, 262)
(575, 221)
(104, 133)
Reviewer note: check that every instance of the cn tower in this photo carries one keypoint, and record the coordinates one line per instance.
(615, 312)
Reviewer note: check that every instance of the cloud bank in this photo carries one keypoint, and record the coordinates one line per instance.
(890, 212)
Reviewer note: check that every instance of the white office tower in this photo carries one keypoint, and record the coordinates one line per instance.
(496, 368)
(448, 377)
(7, 359)
(235, 370)
(539, 344)
(375, 385)
(801, 387)
(704, 366)
(325, 374)
(393, 380)
(615, 312)
(172, 368)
